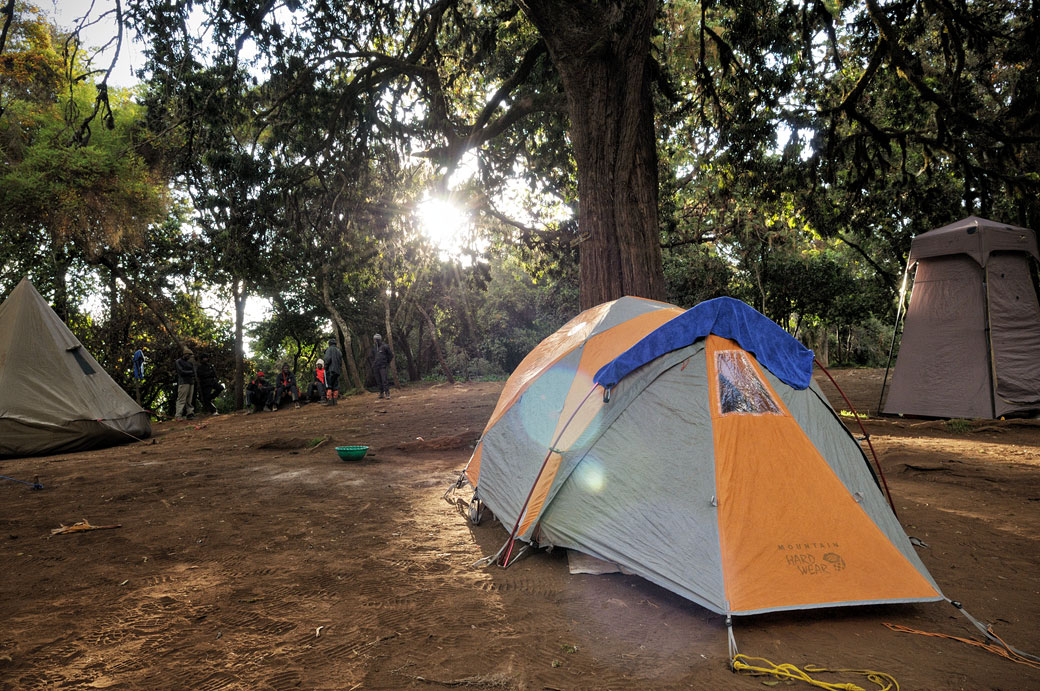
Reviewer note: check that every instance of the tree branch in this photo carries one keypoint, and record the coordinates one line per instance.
(8, 13)
(889, 280)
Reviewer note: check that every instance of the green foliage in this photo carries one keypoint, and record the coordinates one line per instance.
(517, 312)
(800, 148)
(958, 425)
(94, 196)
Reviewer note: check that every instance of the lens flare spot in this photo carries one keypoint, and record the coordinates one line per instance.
(542, 404)
(590, 476)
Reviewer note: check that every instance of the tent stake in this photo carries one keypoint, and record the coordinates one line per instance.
(35, 484)
(732, 642)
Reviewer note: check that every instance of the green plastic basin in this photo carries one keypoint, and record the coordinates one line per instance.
(351, 453)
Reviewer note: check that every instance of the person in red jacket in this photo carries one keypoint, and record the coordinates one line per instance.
(316, 391)
(285, 385)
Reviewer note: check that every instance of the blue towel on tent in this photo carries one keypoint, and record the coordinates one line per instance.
(775, 349)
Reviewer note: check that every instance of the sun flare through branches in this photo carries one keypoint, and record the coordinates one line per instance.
(446, 225)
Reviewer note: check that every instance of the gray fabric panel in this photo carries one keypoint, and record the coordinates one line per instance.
(976, 237)
(642, 496)
(621, 397)
(845, 456)
(625, 309)
(943, 364)
(21, 438)
(1014, 318)
(514, 449)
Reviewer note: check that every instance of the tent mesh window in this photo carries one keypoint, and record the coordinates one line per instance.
(82, 361)
(740, 389)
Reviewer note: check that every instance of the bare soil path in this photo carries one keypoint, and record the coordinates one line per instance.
(246, 559)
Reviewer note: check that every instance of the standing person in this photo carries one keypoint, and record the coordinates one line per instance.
(316, 391)
(185, 385)
(209, 386)
(286, 384)
(382, 355)
(333, 370)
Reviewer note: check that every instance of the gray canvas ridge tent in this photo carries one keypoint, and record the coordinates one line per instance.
(54, 396)
(971, 340)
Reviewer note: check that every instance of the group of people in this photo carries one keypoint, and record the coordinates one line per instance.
(188, 373)
(261, 394)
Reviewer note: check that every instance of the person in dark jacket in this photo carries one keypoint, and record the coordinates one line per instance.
(259, 394)
(285, 385)
(185, 385)
(382, 355)
(209, 386)
(333, 371)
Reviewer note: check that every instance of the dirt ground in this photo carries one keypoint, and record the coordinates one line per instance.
(245, 559)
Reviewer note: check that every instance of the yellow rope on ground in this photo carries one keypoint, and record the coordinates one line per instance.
(1004, 652)
(741, 663)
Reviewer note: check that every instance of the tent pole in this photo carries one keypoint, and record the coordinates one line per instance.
(548, 454)
(866, 437)
(895, 330)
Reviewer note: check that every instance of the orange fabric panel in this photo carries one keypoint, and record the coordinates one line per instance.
(790, 533)
(544, 355)
(605, 346)
(579, 416)
(540, 492)
(575, 417)
(473, 467)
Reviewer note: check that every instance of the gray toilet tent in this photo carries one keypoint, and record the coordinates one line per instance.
(971, 340)
(54, 396)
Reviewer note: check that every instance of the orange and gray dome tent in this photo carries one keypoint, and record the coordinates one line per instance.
(693, 449)
(54, 396)
(972, 334)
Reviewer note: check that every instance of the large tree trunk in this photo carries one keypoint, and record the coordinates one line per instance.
(602, 52)
(390, 337)
(238, 290)
(348, 350)
(436, 346)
